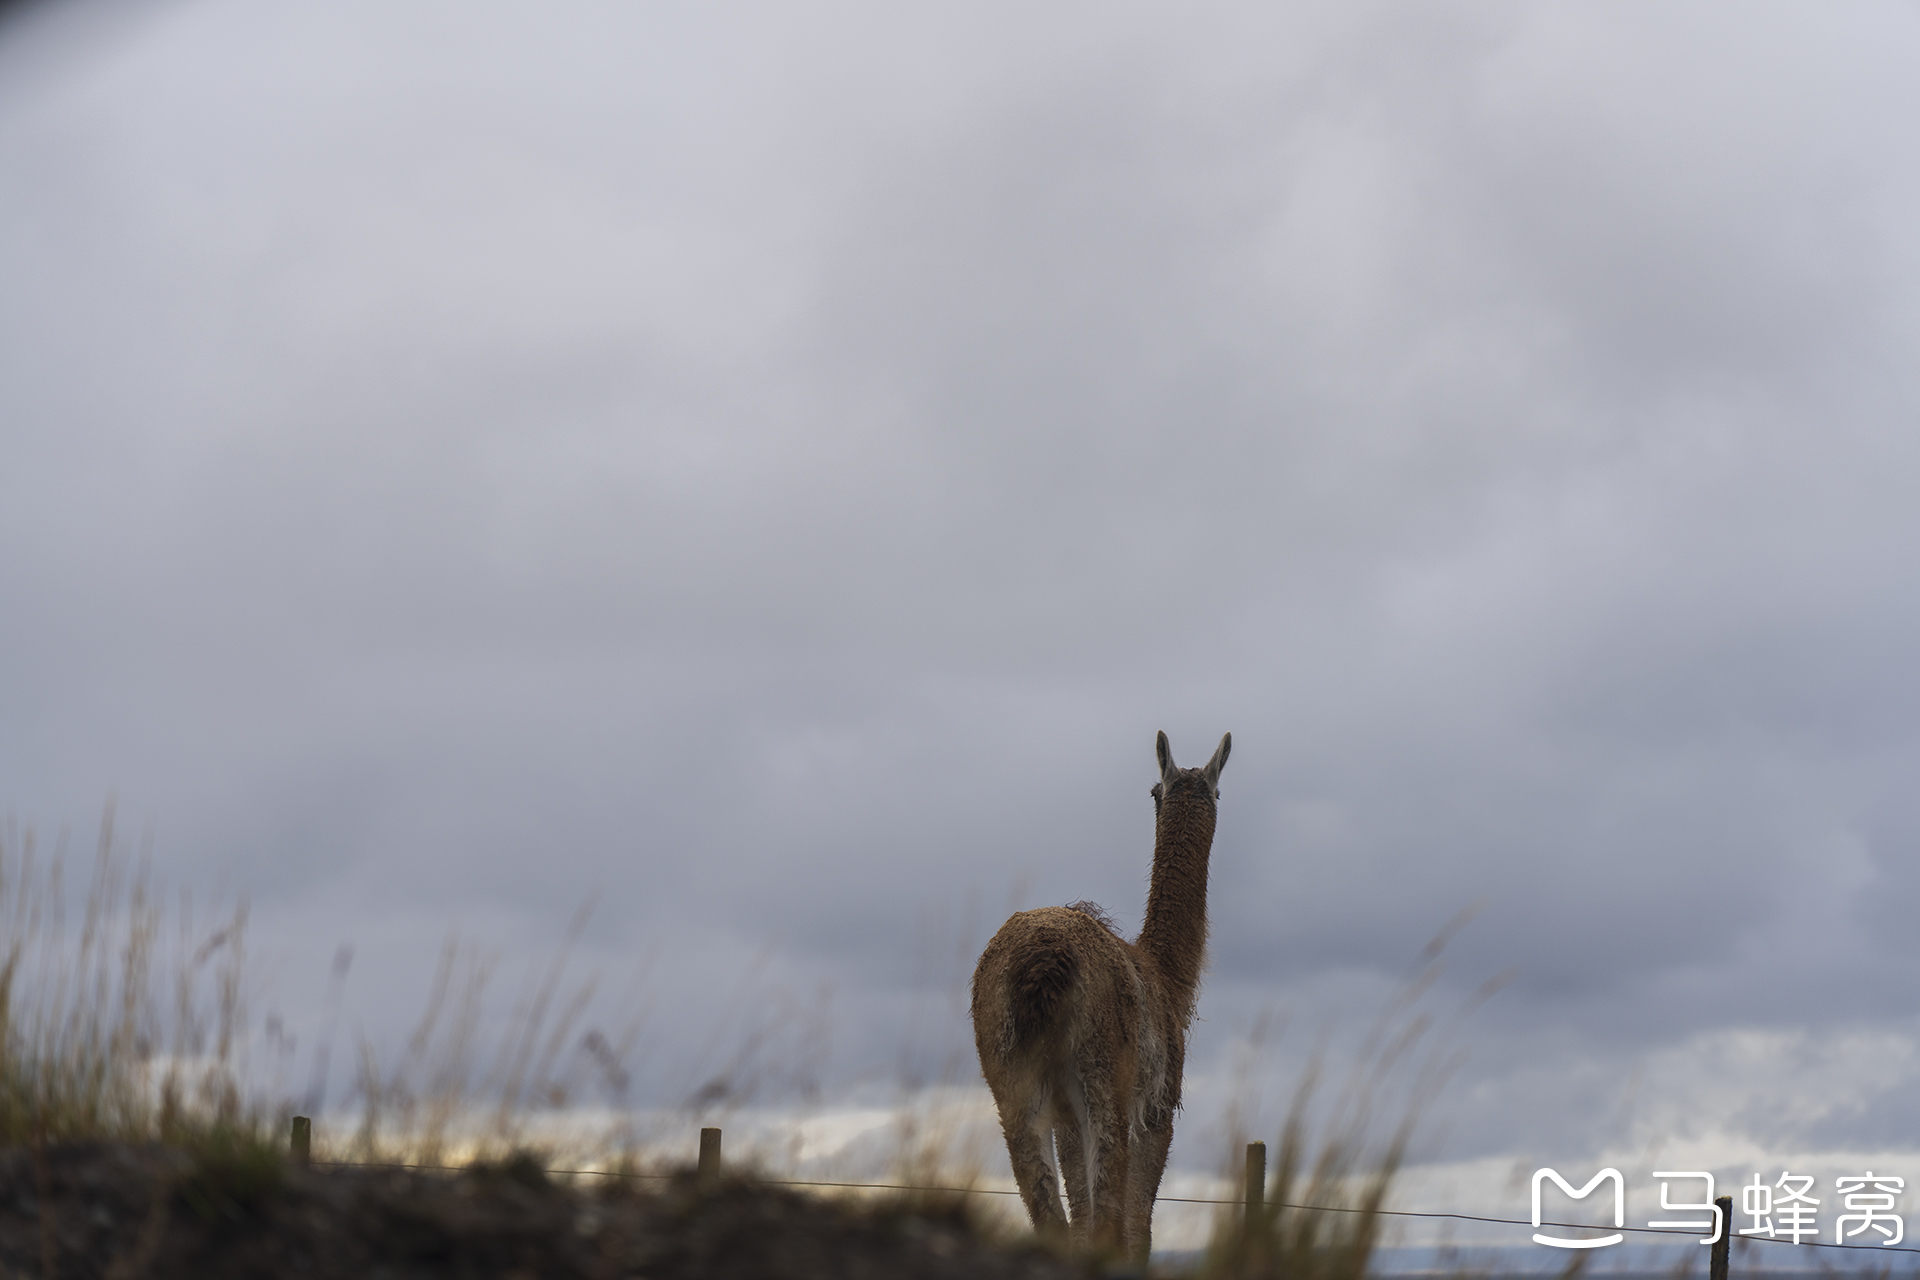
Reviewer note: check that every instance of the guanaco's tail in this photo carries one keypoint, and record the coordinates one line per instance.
(1038, 982)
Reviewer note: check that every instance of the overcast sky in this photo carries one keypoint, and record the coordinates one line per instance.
(776, 467)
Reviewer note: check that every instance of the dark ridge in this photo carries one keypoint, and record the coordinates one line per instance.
(104, 1209)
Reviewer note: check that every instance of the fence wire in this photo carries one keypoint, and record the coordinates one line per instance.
(999, 1191)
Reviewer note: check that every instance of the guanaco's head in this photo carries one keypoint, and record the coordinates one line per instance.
(1203, 782)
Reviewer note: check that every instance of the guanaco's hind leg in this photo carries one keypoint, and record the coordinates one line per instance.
(1069, 1139)
(1149, 1162)
(1029, 1135)
(1107, 1124)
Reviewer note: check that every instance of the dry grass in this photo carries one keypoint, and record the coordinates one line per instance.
(1321, 1208)
(1321, 1218)
(90, 1044)
(134, 1027)
(435, 1105)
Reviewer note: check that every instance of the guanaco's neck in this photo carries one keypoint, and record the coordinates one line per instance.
(1174, 932)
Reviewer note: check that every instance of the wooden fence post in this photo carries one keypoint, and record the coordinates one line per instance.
(302, 1140)
(1717, 1267)
(1256, 1186)
(709, 1172)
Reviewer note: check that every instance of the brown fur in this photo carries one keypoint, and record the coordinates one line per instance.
(1083, 1035)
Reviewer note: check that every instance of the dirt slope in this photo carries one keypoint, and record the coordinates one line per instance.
(96, 1210)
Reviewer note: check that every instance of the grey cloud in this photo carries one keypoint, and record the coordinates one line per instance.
(780, 474)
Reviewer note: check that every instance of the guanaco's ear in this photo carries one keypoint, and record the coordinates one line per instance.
(1164, 751)
(1219, 762)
